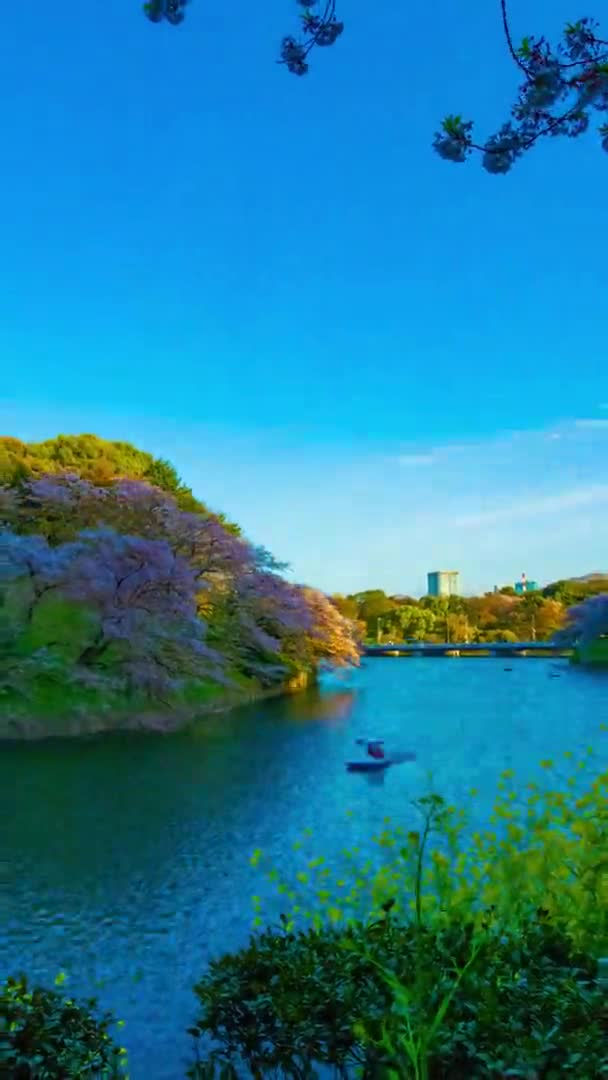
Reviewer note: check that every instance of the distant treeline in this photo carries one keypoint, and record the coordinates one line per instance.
(495, 616)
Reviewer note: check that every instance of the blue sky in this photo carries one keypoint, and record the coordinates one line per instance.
(377, 362)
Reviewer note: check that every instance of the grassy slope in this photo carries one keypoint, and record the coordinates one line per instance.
(48, 700)
(595, 654)
(53, 707)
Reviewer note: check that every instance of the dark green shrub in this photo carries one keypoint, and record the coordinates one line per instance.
(46, 1036)
(529, 1006)
(289, 1001)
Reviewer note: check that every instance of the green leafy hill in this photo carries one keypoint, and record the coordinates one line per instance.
(99, 460)
(124, 601)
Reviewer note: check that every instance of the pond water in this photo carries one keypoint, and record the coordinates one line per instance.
(125, 860)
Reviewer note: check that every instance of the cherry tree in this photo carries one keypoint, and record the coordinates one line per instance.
(332, 636)
(561, 86)
(143, 594)
(30, 571)
(214, 554)
(560, 89)
(318, 26)
(268, 623)
(585, 622)
(60, 506)
(146, 634)
(131, 532)
(278, 628)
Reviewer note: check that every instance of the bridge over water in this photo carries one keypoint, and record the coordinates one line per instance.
(482, 648)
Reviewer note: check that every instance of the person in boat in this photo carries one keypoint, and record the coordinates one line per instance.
(374, 747)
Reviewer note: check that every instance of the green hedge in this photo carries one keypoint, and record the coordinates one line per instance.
(516, 1001)
(45, 1035)
(473, 959)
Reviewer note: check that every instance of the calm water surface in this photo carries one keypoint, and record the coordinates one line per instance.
(125, 860)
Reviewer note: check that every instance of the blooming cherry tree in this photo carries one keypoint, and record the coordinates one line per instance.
(561, 86)
(332, 635)
(585, 622)
(139, 595)
(319, 26)
(561, 89)
(175, 593)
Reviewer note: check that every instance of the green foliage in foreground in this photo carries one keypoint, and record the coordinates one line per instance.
(399, 1000)
(47, 1036)
(459, 956)
(546, 848)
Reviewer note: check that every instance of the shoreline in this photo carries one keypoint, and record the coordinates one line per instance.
(150, 721)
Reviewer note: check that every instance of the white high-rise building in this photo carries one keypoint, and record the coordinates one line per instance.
(443, 583)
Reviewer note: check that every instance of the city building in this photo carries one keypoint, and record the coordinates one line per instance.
(525, 586)
(443, 583)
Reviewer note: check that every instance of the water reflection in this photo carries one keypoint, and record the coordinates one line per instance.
(322, 704)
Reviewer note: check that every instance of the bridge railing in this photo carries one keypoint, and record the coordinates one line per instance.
(467, 646)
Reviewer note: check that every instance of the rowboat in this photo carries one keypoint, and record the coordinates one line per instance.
(368, 766)
(376, 761)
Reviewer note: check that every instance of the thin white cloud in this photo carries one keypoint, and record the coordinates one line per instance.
(501, 442)
(532, 507)
(592, 423)
(492, 444)
(415, 459)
